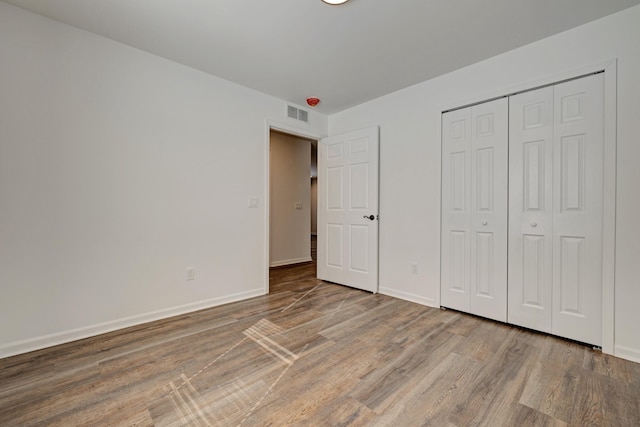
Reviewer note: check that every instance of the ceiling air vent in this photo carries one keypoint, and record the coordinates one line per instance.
(297, 114)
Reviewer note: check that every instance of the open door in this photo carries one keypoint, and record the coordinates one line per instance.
(348, 209)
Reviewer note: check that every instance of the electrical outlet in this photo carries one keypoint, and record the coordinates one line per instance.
(414, 268)
(191, 273)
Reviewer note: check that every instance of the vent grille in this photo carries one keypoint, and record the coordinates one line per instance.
(292, 112)
(297, 114)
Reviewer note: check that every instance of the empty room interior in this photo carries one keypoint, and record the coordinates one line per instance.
(319, 213)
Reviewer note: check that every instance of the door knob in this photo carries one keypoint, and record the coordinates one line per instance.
(370, 217)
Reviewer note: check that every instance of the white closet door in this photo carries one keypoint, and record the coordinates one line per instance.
(456, 209)
(577, 211)
(555, 209)
(530, 209)
(489, 188)
(474, 209)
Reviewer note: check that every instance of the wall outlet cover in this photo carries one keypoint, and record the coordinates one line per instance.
(414, 268)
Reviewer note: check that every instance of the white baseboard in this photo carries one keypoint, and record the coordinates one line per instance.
(25, 346)
(289, 261)
(632, 354)
(408, 296)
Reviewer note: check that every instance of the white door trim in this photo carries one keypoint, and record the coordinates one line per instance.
(292, 130)
(610, 68)
(609, 207)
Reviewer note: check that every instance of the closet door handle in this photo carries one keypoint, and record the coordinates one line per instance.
(484, 223)
(534, 224)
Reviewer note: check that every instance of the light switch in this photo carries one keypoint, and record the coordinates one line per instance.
(253, 202)
(298, 206)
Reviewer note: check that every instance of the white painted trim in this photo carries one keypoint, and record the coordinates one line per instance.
(532, 84)
(290, 261)
(610, 68)
(609, 207)
(32, 344)
(438, 295)
(408, 296)
(632, 354)
(292, 130)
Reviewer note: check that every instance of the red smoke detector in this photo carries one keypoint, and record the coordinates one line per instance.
(312, 102)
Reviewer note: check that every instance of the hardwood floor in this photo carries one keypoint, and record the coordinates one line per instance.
(316, 354)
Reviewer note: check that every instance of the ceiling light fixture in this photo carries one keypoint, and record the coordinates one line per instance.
(335, 2)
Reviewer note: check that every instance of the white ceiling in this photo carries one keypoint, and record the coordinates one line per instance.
(345, 55)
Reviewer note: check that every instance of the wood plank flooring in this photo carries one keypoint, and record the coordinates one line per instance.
(316, 354)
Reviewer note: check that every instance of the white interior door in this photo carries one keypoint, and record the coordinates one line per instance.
(578, 209)
(474, 209)
(530, 209)
(456, 209)
(556, 209)
(489, 166)
(348, 209)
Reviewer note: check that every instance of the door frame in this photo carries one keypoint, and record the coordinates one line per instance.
(291, 130)
(610, 70)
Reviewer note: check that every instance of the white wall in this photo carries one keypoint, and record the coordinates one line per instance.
(119, 169)
(410, 157)
(290, 228)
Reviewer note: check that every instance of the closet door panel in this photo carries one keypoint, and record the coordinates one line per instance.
(578, 203)
(456, 209)
(530, 209)
(489, 160)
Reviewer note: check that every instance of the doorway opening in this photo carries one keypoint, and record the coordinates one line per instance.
(292, 206)
(347, 243)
